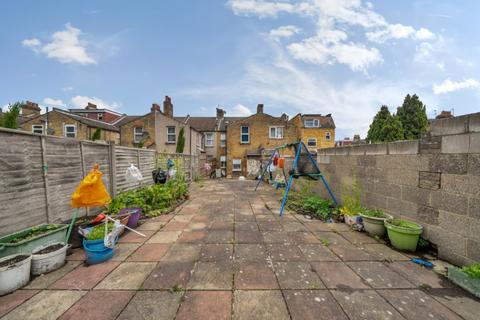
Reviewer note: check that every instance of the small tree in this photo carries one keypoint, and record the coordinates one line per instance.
(97, 134)
(412, 114)
(385, 127)
(181, 141)
(9, 118)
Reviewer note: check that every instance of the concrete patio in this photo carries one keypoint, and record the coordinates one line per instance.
(225, 254)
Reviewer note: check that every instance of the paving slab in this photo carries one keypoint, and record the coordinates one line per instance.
(313, 305)
(175, 226)
(112, 303)
(459, 301)
(150, 252)
(219, 236)
(350, 253)
(248, 236)
(168, 274)
(297, 275)
(221, 226)
(316, 225)
(164, 237)
(285, 252)
(276, 237)
(366, 305)
(255, 275)
(206, 305)
(415, 304)
(201, 218)
(132, 237)
(244, 218)
(383, 253)
(216, 252)
(152, 305)
(356, 237)
(246, 305)
(12, 300)
(196, 236)
(182, 218)
(337, 275)
(338, 227)
(251, 252)
(124, 250)
(150, 225)
(419, 275)
(317, 252)
(302, 237)
(378, 275)
(85, 277)
(212, 275)
(250, 226)
(269, 225)
(331, 238)
(128, 276)
(196, 226)
(47, 304)
(293, 226)
(45, 280)
(77, 254)
(183, 252)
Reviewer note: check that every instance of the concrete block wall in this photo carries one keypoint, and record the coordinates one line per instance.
(434, 181)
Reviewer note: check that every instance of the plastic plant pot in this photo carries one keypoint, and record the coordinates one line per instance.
(16, 274)
(97, 255)
(48, 262)
(463, 280)
(134, 213)
(375, 226)
(403, 234)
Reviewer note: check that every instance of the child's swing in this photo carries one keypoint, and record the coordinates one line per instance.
(304, 165)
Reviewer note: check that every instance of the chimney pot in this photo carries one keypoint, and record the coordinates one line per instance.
(220, 113)
(30, 109)
(168, 107)
(284, 117)
(260, 108)
(155, 107)
(91, 106)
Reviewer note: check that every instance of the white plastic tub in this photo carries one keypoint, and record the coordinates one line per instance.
(14, 276)
(48, 262)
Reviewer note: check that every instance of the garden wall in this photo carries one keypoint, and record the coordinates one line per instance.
(38, 174)
(434, 181)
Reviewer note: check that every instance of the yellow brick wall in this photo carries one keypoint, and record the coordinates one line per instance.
(148, 124)
(318, 133)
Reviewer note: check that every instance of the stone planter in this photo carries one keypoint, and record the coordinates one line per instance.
(463, 280)
(16, 274)
(375, 226)
(404, 236)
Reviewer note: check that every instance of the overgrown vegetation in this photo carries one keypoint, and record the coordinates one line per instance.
(97, 134)
(34, 232)
(98, 232)
(153, 200)
(374, 213)
(9, 118)
(403, 223)
(473, 270)
(351, 198)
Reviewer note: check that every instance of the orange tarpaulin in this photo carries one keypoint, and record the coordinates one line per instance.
(91, 191)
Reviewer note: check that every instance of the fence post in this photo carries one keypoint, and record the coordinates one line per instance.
(45, 179)
(82, 163)
(113, 168)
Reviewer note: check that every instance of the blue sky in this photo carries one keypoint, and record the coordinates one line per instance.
(345, 57)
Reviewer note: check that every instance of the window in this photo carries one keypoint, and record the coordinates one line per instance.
(223, 139)
(37, 129)
(276, 133)
(70, 131)
(223, 162)
(171, 137)
(327, 135)
(137, 134)
(209, 139)
(312, 123)
(237, 164)
(244, 135)
(312, 142)
(100, 116)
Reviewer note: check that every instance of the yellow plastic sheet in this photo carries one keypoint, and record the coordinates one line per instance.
(91, 191)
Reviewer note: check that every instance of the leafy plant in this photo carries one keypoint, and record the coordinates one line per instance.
(403, 223)
(318, 207)
(181, 141)
(351, 199)
(98, 232)
(374, 213)
(97, 134)
(473, 270)
(34, 232)
(8, 119)
(325, 242)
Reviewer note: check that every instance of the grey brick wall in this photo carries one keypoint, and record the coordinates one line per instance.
(434, 181)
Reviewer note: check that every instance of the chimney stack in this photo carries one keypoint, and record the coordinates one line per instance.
(30, 109)
(260, 108)
(155, 107)
(91, 106)
(168, 107)
(220, 113)
(284, 117)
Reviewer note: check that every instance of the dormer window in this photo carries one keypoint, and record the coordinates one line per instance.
(312, 123)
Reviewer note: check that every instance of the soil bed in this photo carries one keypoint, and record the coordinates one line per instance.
(49, 249)
(12, 261)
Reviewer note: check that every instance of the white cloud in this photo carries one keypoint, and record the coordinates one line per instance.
(239, 111)
(399, 31)
(284, 32)
(424, 34)
(57, 103)
(449, 86)
(65, 46)
(423, 51)
(82, 101)
(265, 9)
(67, 88)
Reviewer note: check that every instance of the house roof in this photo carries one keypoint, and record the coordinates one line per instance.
(94, 111)
(325, 121)
(126, 119)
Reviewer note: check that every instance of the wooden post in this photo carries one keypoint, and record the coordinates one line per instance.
(84, 170)
(112, 168)
(45, 179)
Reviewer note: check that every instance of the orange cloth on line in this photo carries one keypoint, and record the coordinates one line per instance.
(281, 163)
(91, 191)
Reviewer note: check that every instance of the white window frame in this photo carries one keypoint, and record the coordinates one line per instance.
(276, 135)
(328, 136)
(66, 133)
(244, 134)
(311, 139)
(237, 162)
(170, 134)
(315, 124)
(37, 126)
(223, 139)
(100, 116)
(137, 134)
(209, 142)
(223, 162)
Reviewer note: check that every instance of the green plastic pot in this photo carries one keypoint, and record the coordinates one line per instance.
(375, 226)
(404, 237)
(464, 280)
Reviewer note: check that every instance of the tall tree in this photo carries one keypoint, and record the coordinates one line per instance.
(412, 114)
(385, 127)
(181, 141)
(9, 118)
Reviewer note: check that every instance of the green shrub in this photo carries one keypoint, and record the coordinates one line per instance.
(374, 213)
(473, 270)
(317, 207)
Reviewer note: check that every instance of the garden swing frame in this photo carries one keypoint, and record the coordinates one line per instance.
(295, 173)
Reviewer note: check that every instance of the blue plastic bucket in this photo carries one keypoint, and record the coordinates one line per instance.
(96, 254)
(94, 244)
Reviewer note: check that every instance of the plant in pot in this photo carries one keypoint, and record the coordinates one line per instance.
(94, 246)
(48, 258)
(14, 272)
(403, 234)
(467, 277)
(374, 222)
